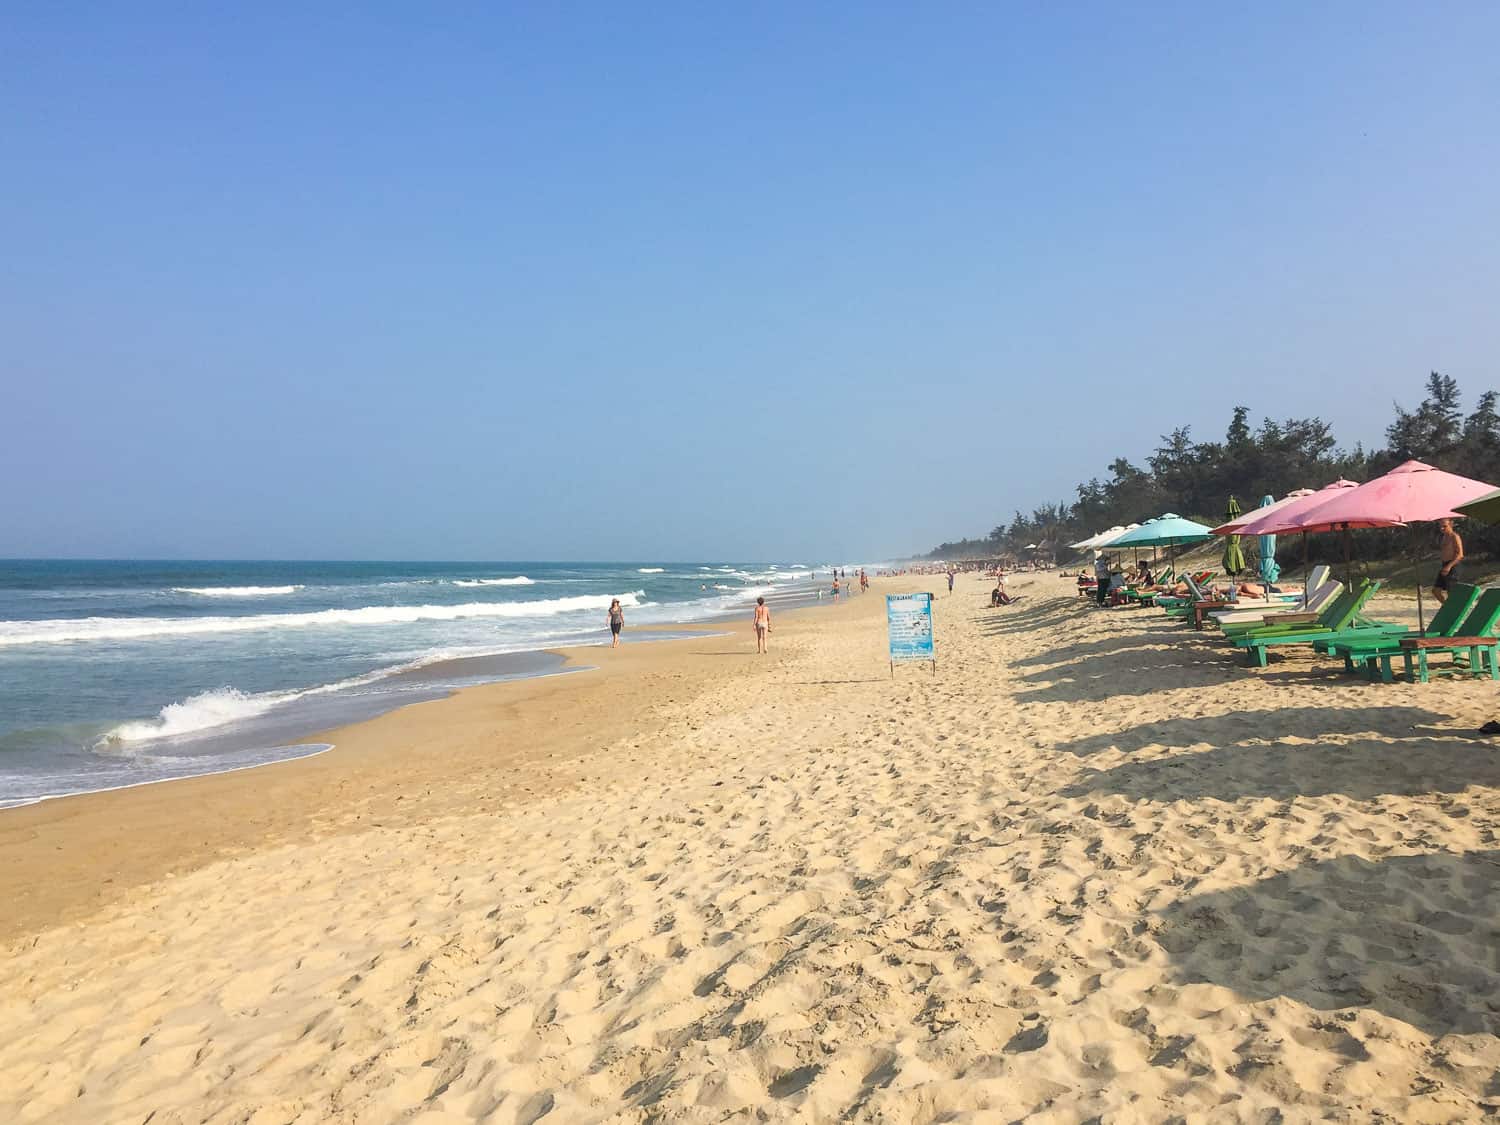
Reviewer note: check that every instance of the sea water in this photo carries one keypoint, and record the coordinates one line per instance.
(123, 673)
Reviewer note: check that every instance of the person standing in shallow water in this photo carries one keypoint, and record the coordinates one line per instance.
(616, 622)
(762, 625)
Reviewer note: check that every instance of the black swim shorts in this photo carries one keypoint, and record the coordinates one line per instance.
(1442, 581)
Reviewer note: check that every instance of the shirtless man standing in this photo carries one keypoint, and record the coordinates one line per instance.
(1451, 548)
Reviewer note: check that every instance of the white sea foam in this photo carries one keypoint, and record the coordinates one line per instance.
(199, 712)
(652, 570)
(518, 580)
(236, 591)
(124, 629)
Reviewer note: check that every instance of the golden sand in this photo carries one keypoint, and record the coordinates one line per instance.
(1094, 868)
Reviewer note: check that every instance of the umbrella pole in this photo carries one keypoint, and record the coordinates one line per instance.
(1306, 574)
(1421, 623)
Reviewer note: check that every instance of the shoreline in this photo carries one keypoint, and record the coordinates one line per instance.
(65, 859)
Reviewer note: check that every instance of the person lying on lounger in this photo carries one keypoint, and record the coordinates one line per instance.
(1250, 590)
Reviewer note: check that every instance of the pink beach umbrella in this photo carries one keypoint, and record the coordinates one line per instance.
(1236, 525)
(1280, 518)
(1409, 493)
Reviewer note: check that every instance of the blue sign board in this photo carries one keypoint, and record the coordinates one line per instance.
(909, 624)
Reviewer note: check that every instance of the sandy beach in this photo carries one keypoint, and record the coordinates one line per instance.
(1093, 868)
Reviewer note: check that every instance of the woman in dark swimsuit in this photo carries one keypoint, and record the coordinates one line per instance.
(616, 622)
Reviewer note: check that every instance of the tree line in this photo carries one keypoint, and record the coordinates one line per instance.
(1196, 478)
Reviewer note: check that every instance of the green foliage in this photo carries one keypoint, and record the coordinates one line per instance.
(1196, 478)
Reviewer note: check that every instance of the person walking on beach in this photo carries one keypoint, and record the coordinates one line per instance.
(616, 622)
(835, 586)
(762, 625)
(1101, 573)
(1451, 551)
(950, 581)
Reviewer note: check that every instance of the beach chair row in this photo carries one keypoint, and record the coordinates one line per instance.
(1333, 623)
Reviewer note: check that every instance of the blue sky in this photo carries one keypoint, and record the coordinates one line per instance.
(697, 281)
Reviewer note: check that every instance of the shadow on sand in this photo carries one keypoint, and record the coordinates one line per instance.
(1263, 726)
(1133, 668)
(1413, 937)
(1003, 620)
(1066, 654)
(1369, 768)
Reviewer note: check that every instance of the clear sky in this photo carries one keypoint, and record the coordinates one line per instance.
(665, 282)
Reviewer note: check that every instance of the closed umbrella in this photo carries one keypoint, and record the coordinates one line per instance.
(1269, 570)
(1410, 493)
(1233, 557)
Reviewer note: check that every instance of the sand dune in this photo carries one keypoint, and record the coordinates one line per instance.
(1091, 869)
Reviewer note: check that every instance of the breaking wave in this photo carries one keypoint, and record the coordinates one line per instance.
(198, 712)
(117, 629)
(235, 591)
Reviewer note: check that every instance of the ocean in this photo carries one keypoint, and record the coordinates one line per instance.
(124, 673)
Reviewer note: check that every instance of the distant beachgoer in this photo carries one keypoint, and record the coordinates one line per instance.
(762, 625)
(616, 622)
(1101, 574)
(864, 581)
(950, 582)
(835, 586)
(1451, 549)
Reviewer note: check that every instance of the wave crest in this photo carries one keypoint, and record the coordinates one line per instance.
(125, 629)
(518, 580)
(235, 591)
(198, 712)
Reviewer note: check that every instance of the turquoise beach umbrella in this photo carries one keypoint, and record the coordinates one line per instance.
(1269, 570)
(1169, 530)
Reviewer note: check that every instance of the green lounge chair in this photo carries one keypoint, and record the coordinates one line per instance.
(1342, 617)
(1322, 618)
(1321, 588)
(1472, 647)
(1325, 619)
(1197, 592)
(1373, 650)
(1243, 621)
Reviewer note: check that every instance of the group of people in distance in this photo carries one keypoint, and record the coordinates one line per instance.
(998, 596)
(760, 617)
(842, 584)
